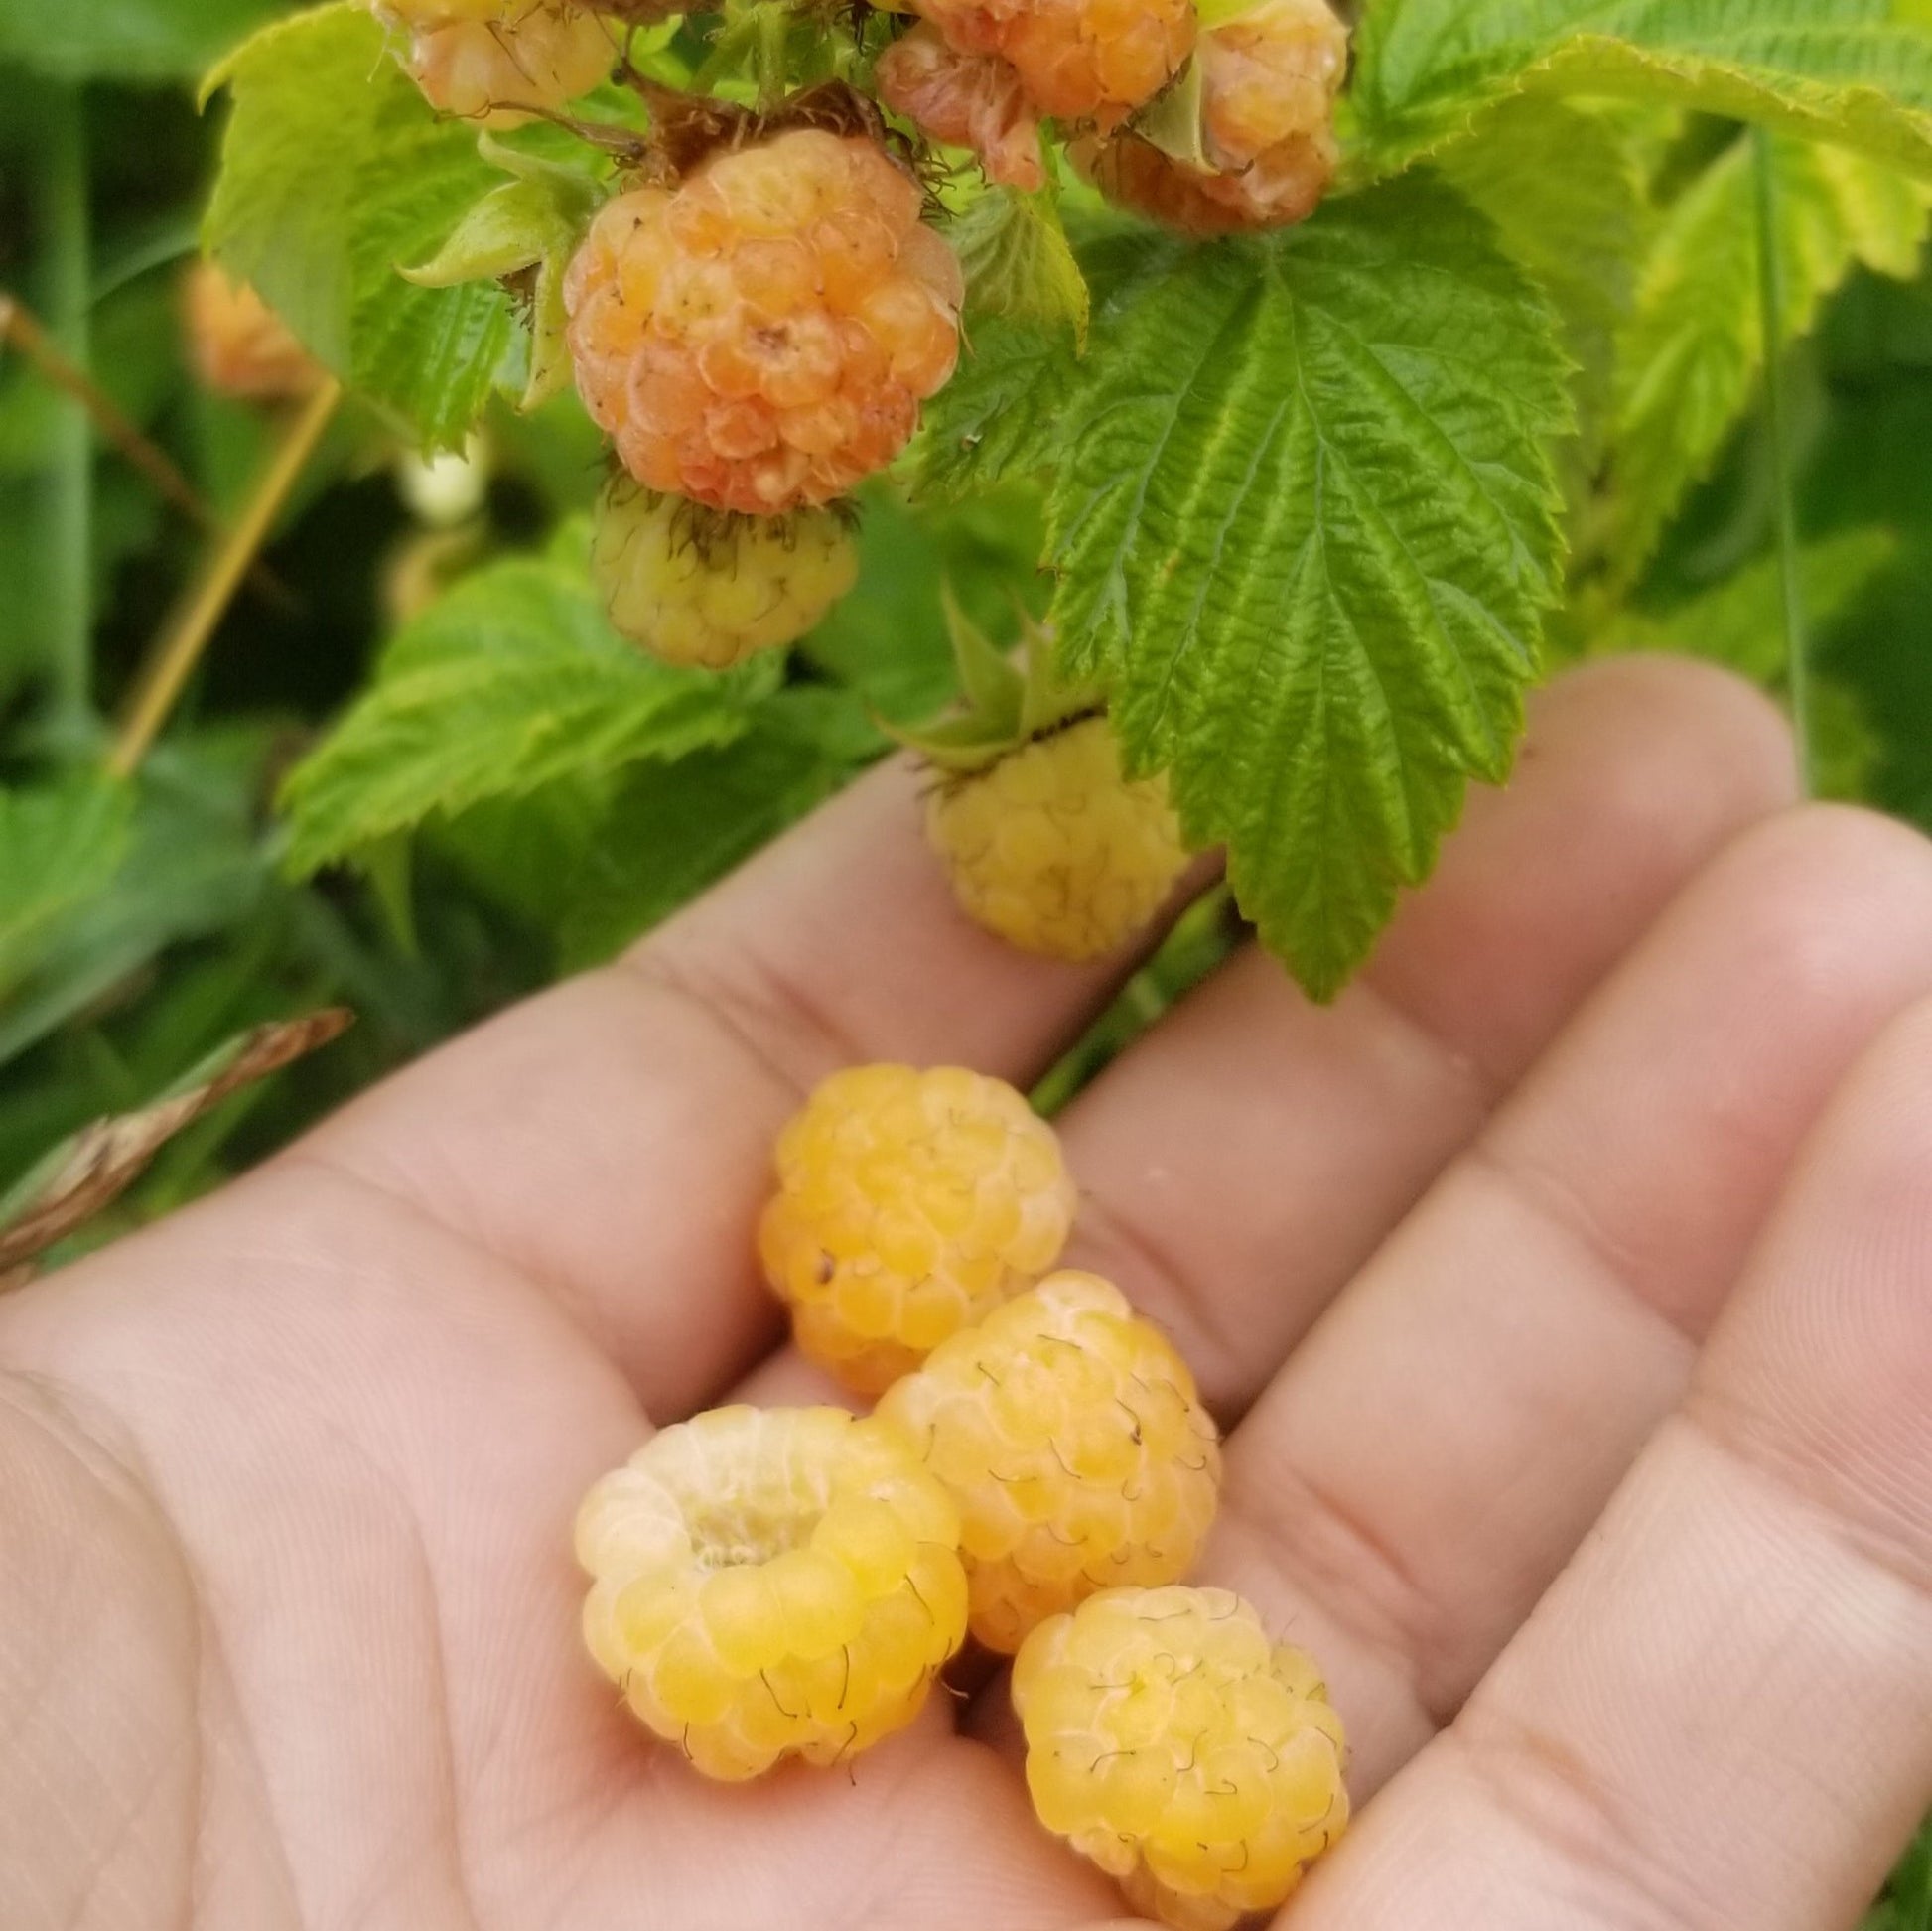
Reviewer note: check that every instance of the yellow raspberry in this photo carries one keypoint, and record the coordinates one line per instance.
(1169, 1740)
(1269, 81)
(711, 587)
(1083, 60)
(772, 1584)
(242, 347)
(1069, 1432)
(909, 1206)
(966, 101)
(761, 337)
(502, 61)
(1054, 849)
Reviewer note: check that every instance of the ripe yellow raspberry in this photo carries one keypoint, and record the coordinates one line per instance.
(501, 60)
(1172, 1742)
(1088, 60)
(1054, 849)
(909, 1206)
(761, 337)
(1261, 124)
(966, 101)
(711, 587)
(771, 1584)
(1069, 1432)
(240, 346)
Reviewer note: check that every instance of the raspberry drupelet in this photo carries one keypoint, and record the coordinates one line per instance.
(761, 337)
(771, 1584)
(1069, 1432)
(1191, 1758)
(909, 1206)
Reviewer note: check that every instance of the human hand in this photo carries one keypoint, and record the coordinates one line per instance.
(1564, 1287)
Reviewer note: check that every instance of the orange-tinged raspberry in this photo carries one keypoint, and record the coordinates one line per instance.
(1172, 1742)
(1091, 60)
(761, 337)
(1070, 1433)
(241, 345)
(501, 60)
(966, 101)
(909, 1206)
(1269, 79)
(771, 1584)
(1054, 849)
(709, 588)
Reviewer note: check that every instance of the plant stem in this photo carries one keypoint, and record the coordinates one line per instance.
(1770, 284)
(180, 648)
(67, 270)
(19, 327)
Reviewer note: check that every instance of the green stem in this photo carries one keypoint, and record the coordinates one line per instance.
(1770, 284)
(66, 269)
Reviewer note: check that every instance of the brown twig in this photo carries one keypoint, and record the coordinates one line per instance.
(179, 647)
(23, 328)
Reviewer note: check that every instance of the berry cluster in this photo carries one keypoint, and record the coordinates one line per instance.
(1039, 1473)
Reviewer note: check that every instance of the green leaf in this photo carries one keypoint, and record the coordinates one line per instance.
(1019, 262)
(1303, 507)
(999, 414)
(60, 845)
(1691, 357)
(1842, 70)
(124, 40)
(511, 682)
(335, 175)
(676, 828)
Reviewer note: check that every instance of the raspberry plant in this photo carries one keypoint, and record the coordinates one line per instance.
(1314, 378)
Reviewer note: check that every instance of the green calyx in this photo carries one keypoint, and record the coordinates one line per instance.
(1004, 705)
(523, 234)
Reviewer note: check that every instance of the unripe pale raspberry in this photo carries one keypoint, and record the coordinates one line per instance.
(1269, 79)
(1092, 61)
(967, 101)
(242, 347)
(1054, 849)
(709, 588)
(771, 1584)
(1070, 1433)
(1172, 1742)
(501, 60)
(909, 1206)
(761, 337)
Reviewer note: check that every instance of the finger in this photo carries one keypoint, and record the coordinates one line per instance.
(612, 1138)
(1433, 1454)
(1722, 1714)
(1248, 1156)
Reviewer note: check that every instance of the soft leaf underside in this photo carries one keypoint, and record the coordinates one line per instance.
(1301, 504)
(1560, 181)
(1842, 70)
(124, 40)
(512, 682)
(1693, 353)
(335, 174)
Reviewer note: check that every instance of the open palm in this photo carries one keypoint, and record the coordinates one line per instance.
(1564, 1287)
